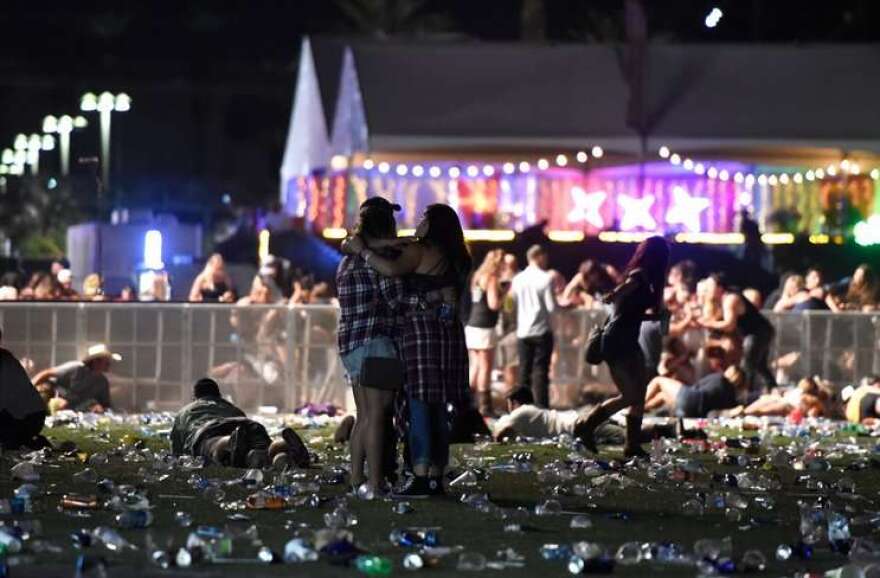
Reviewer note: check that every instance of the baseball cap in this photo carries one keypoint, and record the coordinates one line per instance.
(379, 203)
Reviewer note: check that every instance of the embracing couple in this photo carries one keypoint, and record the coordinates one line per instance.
(402, 343)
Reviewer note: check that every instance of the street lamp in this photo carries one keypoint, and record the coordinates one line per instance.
(63, 126)
(105, 103)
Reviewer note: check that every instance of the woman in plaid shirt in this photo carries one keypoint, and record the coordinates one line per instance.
(435, 357)
(370, 305)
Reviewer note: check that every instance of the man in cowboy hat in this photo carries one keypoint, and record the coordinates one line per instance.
(82, 385)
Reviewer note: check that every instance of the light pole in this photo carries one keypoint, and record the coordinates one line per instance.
(63, 126)
(105, 104)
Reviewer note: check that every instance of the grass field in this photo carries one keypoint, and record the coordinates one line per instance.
(647, 510)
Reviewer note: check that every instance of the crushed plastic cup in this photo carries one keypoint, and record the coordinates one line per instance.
(753, 561)
(413, 561)
(466, 479)
(548, 508)
(629, 553)
(25, 471)
(132, 519)
(111, 539)
(297, 550)
(471, 562)
(581, 522)
(783, 552)
(183, 519)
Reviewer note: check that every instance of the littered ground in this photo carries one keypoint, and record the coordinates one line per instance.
(649, 511)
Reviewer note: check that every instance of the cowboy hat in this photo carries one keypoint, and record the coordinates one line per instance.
(100, 350)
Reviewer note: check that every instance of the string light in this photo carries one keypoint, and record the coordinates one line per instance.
(845, 166)
(543, 164)
(598, 153)
(582, 157)
(561, 160)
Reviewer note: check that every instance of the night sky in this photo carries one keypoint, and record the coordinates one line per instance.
(212, 81)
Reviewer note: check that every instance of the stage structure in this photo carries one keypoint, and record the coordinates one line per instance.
(513, 136)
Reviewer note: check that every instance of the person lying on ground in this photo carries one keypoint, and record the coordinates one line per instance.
(217, 430)
(528, 420)
(713, 392)
(810, 398)
(863, 402)
(81, 385)
(22, 410)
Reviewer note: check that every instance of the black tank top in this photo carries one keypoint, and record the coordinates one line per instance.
(751, 321)
(210, 295)
(481, 315)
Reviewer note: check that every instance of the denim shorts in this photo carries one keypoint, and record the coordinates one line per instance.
(377, 347)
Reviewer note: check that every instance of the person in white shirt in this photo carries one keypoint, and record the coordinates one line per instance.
(532, 289)
(527, 420)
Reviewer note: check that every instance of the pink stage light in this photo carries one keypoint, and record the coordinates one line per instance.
(686, 210)
(586, 207)
(636, 213)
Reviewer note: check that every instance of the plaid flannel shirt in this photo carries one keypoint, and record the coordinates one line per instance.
(369, 303)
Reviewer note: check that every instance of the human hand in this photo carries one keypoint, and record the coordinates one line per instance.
(353, 245)
(96, 408)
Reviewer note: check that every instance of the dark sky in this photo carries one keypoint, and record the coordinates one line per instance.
(211, 80)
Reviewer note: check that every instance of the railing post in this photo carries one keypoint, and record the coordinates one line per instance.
(186, 353)
(290, 365)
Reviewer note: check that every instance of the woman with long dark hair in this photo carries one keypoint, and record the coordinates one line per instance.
(638, 298)
(436, 267)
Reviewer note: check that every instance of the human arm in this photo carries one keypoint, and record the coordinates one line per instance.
(407, 262)
(622, 290)
(195, 292)
(572, 292)
(727, 323)
(494, 295)
(45, 376)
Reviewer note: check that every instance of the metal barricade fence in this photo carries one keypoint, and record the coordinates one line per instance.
(275, 355)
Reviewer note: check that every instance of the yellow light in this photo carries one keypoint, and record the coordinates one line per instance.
(710, 238)
(339, 162)
(88, 102)
(854, 168)
(4, 170)
(406, 232)
(48, 143)
(582, 157)
(723, 175)
(772, 180)
(664, 152)
(844, 164)
(21, 142)
(561, 160)
(598, 153)
(66, 124)
(263, 250)
(435, 172)
(810, 175)
(566, 236)
(837, 239)
(699, 168)
(798, 178)
(524, 167)
(50, 124)
(8, 157)
(831, 170)
(875, 174)
(675, 159)
(623, 237)
(368, 164)
(106, 102)
(819, 239)
(508, 168)
(783, 178)
(777, 238)
(328, 233)
(543, 164)
(738, 177)
(688, 164)
(80, 122)
(493, 235)
(712, 173)
(820, 174)
(418, 171)
(122, 102)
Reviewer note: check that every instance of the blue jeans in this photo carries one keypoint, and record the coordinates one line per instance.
(377, 347)
(428, 433)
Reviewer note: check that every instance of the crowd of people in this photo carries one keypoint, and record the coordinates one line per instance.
(213, 284)
(417, 333)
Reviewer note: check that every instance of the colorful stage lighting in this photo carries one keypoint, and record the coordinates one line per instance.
(586, 207)
(686, 210)
(636, 212)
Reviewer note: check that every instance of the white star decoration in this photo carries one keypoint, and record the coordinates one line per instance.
(586, 207)
(636, 213)
(685, 209)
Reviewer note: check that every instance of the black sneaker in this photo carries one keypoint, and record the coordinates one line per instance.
(343, 432)
(435, 486)
(415, 488)
(238, 448)
(296, 448)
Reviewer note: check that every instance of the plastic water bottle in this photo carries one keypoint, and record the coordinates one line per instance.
(132, 519)
(112, 539)
(555, 552)
(297, 550)
(374, 565)
(9, 541)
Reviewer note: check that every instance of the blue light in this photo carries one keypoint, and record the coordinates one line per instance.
(52, 183)
(153, 250)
